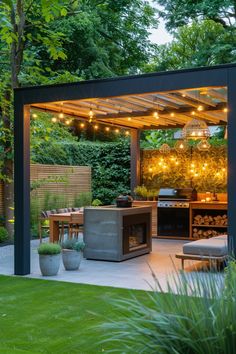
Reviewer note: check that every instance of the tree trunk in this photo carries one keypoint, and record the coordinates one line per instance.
(8, 199)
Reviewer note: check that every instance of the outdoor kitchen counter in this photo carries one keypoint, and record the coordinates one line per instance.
(116, 234)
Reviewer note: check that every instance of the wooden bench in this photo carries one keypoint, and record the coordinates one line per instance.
(213, 260)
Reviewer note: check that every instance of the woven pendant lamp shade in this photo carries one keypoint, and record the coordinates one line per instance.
(195, 129)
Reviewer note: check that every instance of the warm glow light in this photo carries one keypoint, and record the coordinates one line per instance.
(155, 115)
(172, 114)
(129, 119)
(191, 171)
(225, 110)
(61, 115)
(183, 95)
(176, 162)
(34, 115)
(223, 169)
(82, 125)
(54, 119)
(193, 113)
(200, 108)
(181, 146)
(107, 129)
(172, 158)
(196, 175)
(67, 122)
(96, 127)
(150, 169)
(117, 131)
(217, 174)
(193, 133)
(192, 165)
(127, 132)
(164, 166)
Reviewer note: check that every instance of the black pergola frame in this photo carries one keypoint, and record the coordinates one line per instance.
(222, 75)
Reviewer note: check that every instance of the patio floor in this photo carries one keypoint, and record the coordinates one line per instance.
(133, 274)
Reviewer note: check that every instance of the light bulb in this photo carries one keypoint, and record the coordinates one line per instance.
(183, 95)
(34, 115)
(96, 127)
(150, 169)
(181, 146)
(193, 113)
(223, 169)
(155, 115)
(172, 114)
(107, 129)
(117, 131)
(225, 110)
(67, 122)
(127, 132)
(82, 125)
(129, 118)
(61, 115)
(54, 119)
(192, 165)
(193, 133)
(200, 108)
(176, 162)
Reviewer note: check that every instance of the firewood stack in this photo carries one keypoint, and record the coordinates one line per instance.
(219, 220)
(198, 233)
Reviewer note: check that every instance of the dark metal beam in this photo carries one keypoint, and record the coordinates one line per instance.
(232, 160)
(134, 159)
(22, 187)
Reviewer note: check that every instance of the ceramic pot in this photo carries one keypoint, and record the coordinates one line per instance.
(71, 259)
(49, 264)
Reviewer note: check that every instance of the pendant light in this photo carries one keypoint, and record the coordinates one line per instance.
(165, 148)
(203, 145)
(195, 129)
(181, 146)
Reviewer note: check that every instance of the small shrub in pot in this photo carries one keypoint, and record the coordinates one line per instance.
(3, 234)
(72, 253)
(49, 258)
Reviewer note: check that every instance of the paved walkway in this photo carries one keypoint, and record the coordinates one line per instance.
(134, 273)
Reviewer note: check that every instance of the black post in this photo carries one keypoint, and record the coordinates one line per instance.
(134, 159)
(22, 187)
(232, 160)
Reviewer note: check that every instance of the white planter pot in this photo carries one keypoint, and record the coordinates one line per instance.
(71, 259)
(49, 264)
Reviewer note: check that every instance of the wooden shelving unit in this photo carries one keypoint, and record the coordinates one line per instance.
(214, 211)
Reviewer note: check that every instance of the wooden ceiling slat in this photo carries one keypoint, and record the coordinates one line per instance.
(96, 105)
(218, 95)
(163, 101)
(199, 98)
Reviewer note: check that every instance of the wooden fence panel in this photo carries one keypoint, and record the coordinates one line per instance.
(68, 181)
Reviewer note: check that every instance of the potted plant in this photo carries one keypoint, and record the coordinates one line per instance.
(141, 192)
(72, 253)
(49, 258)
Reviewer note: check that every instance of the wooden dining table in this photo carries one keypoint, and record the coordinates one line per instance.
(56, 219)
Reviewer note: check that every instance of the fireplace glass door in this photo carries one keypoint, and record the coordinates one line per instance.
(135, 232)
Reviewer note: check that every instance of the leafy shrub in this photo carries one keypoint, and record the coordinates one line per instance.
(197, 316)
(3, 234)
(49, 248)
(82, 199)
(96, 202)
(73, 244)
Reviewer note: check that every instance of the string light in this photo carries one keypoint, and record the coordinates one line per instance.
(107, 129)
(126, 132)
(172, 114)
(54, 119)
(96, 127)
(91, 115)
(34, 115)
(156, 115)
(117, 131)
(61, 115)
(225, 110)
(183, 95)
(150, 169)
(81, 125)
(200, 108)
(67, 122)
(129, 119)
(193, 113)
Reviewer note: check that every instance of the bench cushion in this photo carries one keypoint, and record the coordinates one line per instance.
(215, 246)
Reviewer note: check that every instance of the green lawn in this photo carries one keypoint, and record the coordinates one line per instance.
(41, 316)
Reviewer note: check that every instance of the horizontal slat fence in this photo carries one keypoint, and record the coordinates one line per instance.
(68, 181)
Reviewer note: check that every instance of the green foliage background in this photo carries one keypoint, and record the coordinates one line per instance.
(209, 166)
